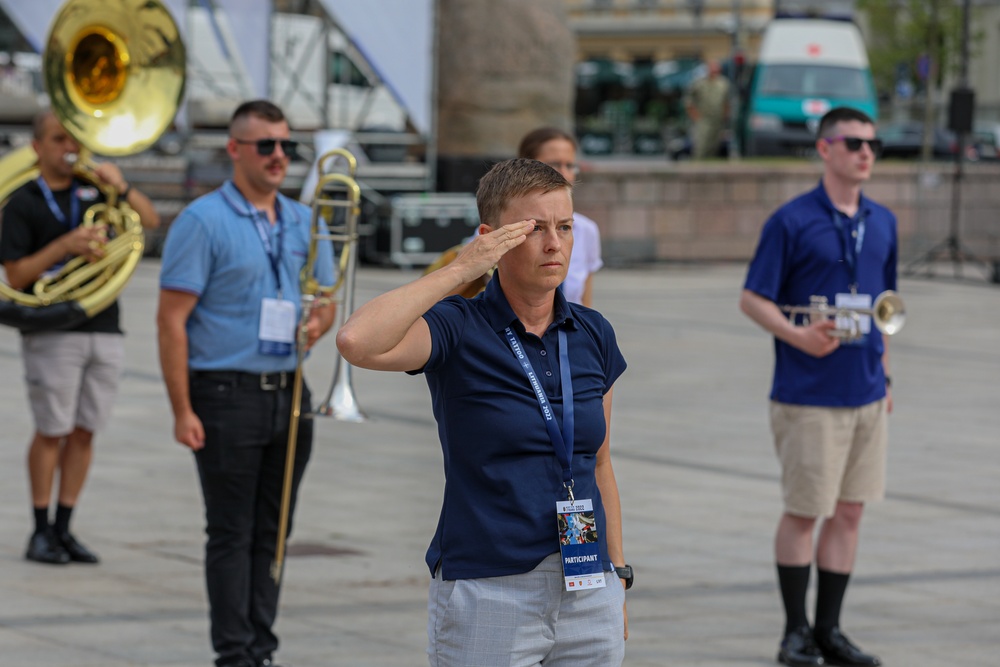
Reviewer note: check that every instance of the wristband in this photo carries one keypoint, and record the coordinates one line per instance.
(888, 380)
(124, 195)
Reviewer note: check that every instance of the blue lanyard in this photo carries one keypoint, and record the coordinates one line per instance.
(561, 440)
(265, 238)
(74, 206)
(851, 251)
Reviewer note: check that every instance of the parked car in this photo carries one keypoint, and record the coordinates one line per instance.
(986, 138)
(905, 140)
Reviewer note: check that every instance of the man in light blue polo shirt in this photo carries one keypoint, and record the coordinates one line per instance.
(229, 306)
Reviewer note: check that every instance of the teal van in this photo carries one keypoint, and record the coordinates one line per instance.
(805, 68)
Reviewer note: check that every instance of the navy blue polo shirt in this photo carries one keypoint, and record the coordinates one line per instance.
(802, 253)
(502, 478)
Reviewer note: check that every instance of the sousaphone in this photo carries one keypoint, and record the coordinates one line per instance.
(114, 72)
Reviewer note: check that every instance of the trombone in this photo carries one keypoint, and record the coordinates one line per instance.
(888, 314)
(340, 401)
(323, 228)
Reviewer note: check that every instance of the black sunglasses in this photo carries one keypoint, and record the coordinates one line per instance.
(265, 147)
(853, 144)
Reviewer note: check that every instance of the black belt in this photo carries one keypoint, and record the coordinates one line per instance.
(262, 381)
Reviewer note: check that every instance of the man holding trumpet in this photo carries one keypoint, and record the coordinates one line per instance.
(831, 392)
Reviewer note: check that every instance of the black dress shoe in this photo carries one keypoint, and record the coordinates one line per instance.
(77, 552)
(838, 650)
(45, 547)
(799, 650)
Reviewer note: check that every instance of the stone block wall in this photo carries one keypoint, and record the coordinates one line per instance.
(656, 211)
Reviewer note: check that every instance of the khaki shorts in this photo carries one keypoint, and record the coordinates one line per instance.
(829, 455)
(72, 378)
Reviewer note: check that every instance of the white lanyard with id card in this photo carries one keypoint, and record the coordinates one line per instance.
(277, 327)
(854, 301)
(852, 241)
(579, 545)
(276, 335)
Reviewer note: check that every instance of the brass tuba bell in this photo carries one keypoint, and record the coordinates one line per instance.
(115, 85)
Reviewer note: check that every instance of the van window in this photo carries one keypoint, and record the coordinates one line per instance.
(814, 81)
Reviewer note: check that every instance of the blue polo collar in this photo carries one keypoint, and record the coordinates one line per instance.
(820, 193)
(238, 203)
(500, 315)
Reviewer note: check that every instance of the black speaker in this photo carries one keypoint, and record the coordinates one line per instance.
(960, 110)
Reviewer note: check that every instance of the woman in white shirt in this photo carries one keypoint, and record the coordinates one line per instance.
(557, 149)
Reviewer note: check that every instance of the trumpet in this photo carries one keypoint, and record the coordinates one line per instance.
(888, 314)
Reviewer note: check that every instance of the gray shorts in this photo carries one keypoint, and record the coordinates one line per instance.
(72, 378)
(522, 619)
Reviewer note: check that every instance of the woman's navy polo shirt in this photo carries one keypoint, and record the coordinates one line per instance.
(502, 478)
(800, 254)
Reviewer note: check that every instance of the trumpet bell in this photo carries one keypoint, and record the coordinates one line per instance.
(889, 313)
(115, 84)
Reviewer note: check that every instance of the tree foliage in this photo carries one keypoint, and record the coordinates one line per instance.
(901, 31)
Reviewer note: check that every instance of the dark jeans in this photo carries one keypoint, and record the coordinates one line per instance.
(242, 470)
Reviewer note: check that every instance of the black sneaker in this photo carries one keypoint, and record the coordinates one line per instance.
(839, 650)
(799, 650)
(77, 552)
(45, 547)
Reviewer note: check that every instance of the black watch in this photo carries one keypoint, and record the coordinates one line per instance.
(625, 574)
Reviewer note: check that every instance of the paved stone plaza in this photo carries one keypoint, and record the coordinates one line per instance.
(692, 452)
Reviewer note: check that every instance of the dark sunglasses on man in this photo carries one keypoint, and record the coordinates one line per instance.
(265, 147)
(854, 144)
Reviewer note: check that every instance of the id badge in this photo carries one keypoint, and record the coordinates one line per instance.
(848, 300)
(277, 327)
(578, 545)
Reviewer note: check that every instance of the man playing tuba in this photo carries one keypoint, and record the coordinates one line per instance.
(72, 374)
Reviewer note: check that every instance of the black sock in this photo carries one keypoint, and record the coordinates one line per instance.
(829, 596)
(794, 582)
(63, 514)
(41, 519)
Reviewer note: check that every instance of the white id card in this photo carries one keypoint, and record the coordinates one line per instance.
(863, 301)
(579, 546)
(277, 327)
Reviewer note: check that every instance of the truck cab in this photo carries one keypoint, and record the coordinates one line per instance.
(806, 67)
